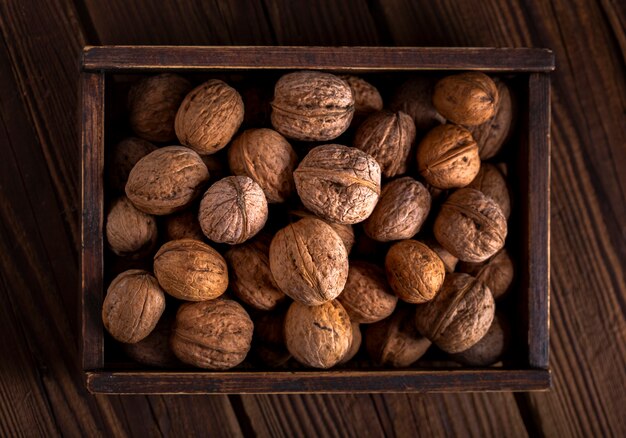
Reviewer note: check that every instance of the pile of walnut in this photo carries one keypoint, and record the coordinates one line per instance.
(226, 254)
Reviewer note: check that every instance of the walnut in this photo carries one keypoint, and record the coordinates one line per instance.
(366, 296)
(491, 182)
(309, 262)
(312, 106)
(388, 137)
(449, 261)
(496, 273)
(250, 276)
(492, 134)
(152, 104)
(166, 180)
(154, 350)
(414, 271)
(191, 270)
(338, 183)
(415, 98)
(213, 334)
(470, 226)
(183, 225)
(209, 116)
(355, 345)
(318, 336)
(133, 305)
(233, 210)
(447, 157)
(395, 341)
(265, 156)
(459, 315)
(130, 232)
(401, 211)
(490, 348)
(122, 158)
(468, 99)
(367, 99)
(344, 231)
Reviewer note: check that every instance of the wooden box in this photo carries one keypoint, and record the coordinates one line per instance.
(529, 67)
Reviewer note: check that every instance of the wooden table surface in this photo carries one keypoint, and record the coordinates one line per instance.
(41, 387)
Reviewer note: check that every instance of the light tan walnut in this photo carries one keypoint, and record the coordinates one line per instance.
(468, 99)
(130, 232)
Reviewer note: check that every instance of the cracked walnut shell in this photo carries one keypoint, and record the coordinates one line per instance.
(129, 231)
(468, 99)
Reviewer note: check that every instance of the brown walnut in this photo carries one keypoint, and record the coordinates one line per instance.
(414, 271)
(338, 183)
(166, 180)
(309, 262)
(183, 225)
(318, 336)
(403, 207)
(470, 226)
(312, 106)
(133, 305)
(213, 334)
(345, 231)
(449, 261)
(367, 99)
(388, 137)
(355, 345)
(153, 103)
(267, 157)
(209, 116)
(492, 183)
(447, 157)
(468, 99)
(191, 270)
(415, 98)
(490, 348)
(459, 316)
(122, 158)
(496, 273)
(233, 210)
(130, 232)
(154, 350)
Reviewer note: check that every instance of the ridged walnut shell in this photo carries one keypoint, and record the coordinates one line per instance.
(414, 271)
(130, 232)
(447, 157)
(394, 341)
(492, 134)
(191, 270)
(367, 297)
(251, 279)
(233, 210)
(338, 183)
(267, 157)
(213, 334)
(166, 180)
(388, 137)
(459, 316)
(154, 350)
(209, 116)
(403, 207)
(183, 225)
(367, 98)
(153, 103)
(415, 98)
(309, 262)
(355, 345)
(470, 226)
(318, 336)
(345, 231)
(468, 99)
(490, 348)
(133, 305)
(122, 158)
(491, 182)
(312, 106)
(496, 273)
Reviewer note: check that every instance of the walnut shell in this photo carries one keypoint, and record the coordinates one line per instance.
(191, 270)
(414, 271)
(490, 348)
(447, 157)
(213, 334)
(468, 99)
(491, 182)
(388, 137)
(338, 183)
(209, 116)
(152, 104)
(267, 157)
(403, 207)
(154, 350)
(312, 106)
(395, 341)
(492, 134)
(470, 226)
(233, 210)
(122, 158)
(318, 336)
(133, 305)
(496, 273)
(128, 230)
(166, 180)
(459, 315)
(415, 98)
(367, 99)
(345, 231)
(250, 276)
(355, 345)
(449, 261)
(309, 262)
(183, 225)
(366, 296)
